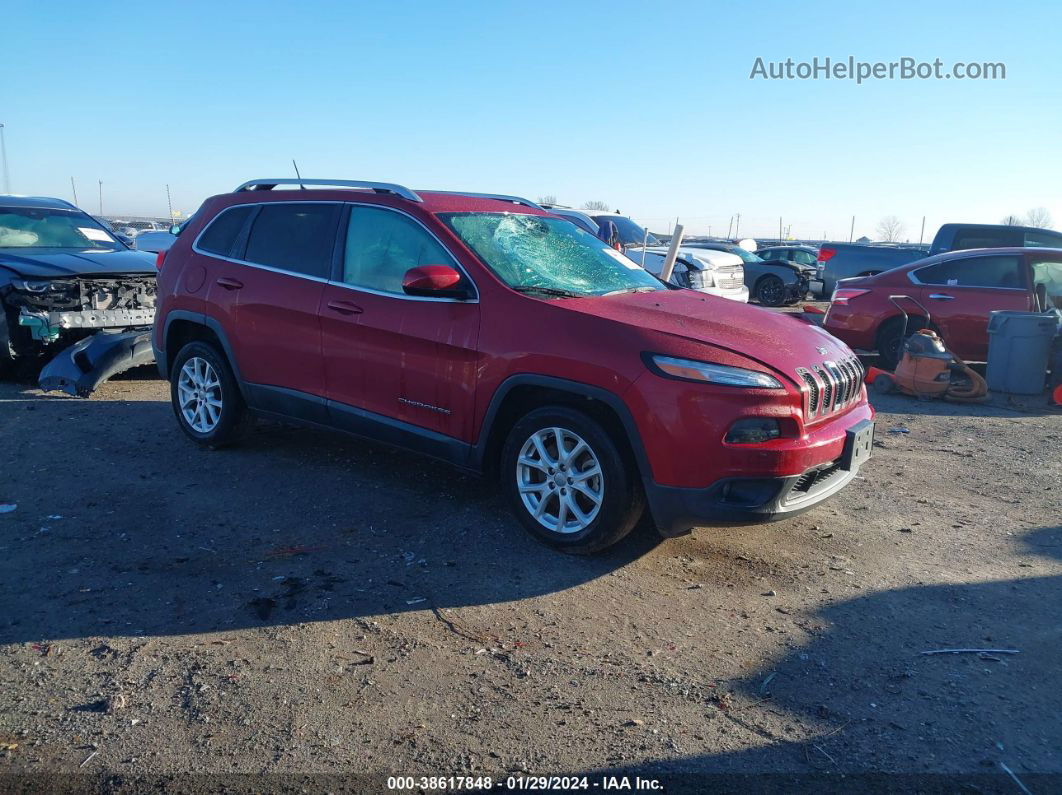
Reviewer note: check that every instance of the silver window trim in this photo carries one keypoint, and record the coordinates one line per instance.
(915, 280)
(356, 288)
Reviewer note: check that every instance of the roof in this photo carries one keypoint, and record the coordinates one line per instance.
(12, 200)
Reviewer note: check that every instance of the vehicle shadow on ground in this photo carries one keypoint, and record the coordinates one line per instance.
(860, 707)
(125, 527)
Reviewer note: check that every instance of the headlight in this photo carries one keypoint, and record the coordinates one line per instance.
(689, 370)
(30, 286)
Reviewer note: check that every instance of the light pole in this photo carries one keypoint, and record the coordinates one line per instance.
(101, 198)
(3, 156)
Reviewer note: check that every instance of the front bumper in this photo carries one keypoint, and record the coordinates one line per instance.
(82, 367)
(752, 500)
(733, 293)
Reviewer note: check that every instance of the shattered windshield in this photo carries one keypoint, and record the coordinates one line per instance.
(45, 227)
(549, 256)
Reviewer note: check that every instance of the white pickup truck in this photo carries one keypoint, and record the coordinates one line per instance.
(717, 273)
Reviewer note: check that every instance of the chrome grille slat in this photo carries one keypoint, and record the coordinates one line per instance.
(846, 373)
(829, 392)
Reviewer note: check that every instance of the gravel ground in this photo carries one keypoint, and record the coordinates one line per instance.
(311, 604)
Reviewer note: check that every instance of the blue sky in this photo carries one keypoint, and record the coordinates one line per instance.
(647, 106)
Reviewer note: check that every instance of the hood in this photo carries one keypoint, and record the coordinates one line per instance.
(56, 263)
(777, 340)
(710, 257)
(796, 266)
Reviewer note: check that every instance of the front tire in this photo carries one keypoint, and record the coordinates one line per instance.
(770, 291)
(205, 396)
(567, 481)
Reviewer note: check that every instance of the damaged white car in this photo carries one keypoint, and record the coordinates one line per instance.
(73, 293)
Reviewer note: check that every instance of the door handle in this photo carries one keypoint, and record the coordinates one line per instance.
(942, 296)
(230, 284)
(345, 307)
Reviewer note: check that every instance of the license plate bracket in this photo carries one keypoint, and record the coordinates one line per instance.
(858, 445)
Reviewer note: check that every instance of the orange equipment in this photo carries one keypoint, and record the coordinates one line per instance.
(927, 369)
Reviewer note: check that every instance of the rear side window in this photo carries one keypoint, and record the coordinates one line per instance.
(221, 235)
(296, 237)
(382, 245)
(1000, 271)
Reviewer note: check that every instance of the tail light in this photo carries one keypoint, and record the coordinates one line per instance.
(825, 253)
(159, 259)
(842, 295)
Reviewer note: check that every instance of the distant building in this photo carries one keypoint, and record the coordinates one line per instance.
(863, 239)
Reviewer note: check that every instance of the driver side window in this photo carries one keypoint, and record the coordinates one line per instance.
(382, 245)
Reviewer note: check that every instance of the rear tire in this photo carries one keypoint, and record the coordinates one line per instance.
(891, 339)
(567, 481)
(205, 396)
(770, 291)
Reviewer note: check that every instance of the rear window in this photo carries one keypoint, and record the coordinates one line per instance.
(221, 235)
(997, 271)
(988, 238)
(296, 237)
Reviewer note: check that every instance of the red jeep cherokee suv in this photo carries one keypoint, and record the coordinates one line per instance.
(485, 332)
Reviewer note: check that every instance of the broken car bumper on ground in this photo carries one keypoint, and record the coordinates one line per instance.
(100, 326)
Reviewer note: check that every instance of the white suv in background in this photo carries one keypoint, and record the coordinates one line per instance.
(718, 273)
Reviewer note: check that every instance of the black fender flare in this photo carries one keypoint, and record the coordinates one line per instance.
(201, 319)
(610, 399)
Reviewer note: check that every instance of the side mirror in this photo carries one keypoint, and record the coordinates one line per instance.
(175, 230)
(433, 281)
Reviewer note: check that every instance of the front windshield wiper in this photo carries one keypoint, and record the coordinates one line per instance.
(531, 288)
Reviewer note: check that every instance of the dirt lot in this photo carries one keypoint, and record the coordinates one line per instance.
(311, 604)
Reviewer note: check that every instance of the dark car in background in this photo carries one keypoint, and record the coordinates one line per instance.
(846, 260)
(630, 233)
(770, 283)
(801, 255)
(577, 217)
(63, 278)
(956, 237)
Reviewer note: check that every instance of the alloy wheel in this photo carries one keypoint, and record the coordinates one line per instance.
(560, 480)
(199, 394)
(772, 291)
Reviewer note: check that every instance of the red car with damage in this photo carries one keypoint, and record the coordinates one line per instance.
(494, 336)
(959, 290)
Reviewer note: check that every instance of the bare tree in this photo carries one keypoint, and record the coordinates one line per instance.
(1039, 216)
(1012, 220)
(549, 198)
(596, 205)
(890, 228)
